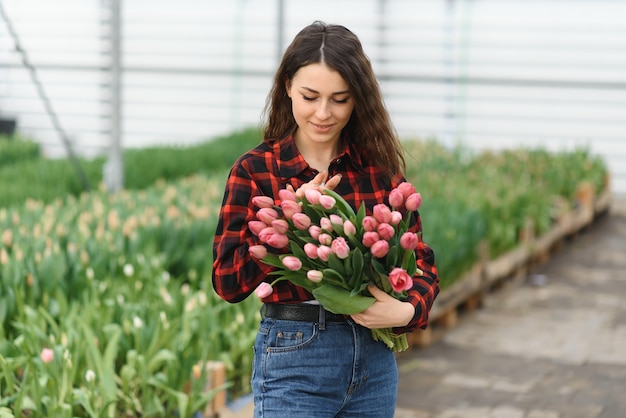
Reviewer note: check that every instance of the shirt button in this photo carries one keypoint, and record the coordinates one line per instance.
(338, 160)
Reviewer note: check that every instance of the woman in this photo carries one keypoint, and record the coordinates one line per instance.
(327, 127)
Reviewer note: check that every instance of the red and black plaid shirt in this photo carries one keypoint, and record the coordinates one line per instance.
(264, 171)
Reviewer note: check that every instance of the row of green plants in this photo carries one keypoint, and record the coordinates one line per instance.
(25, 174)
(14, 148)
(106, 304)
(490, 197)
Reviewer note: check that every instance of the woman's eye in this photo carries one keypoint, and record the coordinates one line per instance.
(310, 99)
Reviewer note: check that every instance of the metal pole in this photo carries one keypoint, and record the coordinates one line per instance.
(114, 168)
(382, 41)
(450, 133)
(280, 28)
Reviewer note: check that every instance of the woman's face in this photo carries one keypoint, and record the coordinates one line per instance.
(321, 103)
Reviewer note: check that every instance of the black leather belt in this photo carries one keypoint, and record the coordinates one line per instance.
(299, 312)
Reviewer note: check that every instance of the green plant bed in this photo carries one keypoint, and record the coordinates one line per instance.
(142, 167)
(509, 188)
(15, 149)
(92, 279)
(24, 175)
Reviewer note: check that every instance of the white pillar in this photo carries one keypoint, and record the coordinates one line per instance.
(114, 167)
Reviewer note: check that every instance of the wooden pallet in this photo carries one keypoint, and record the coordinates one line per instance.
(468, 293)
(214, 380)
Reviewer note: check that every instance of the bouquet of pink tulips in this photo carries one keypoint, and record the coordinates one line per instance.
(335, 253)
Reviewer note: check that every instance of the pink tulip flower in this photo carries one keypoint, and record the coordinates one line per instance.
(301, 221)
(382, 213)
(380, 248)
(310, 250)
(263, 201)
(292, 263)
(335, 219)
(281, 226)
(278, 241)
(258, 251)
(266, 233)
(256, 227)
(406, 188)
(327, 202)
(386, 231)
(326, 224)
(396, 217)
(409, 241)
(267, 215)
(348, 228)
(413, 202)
(315, 231)
(325, 239)
(47, 355)
(312, 196)
(400, 280)
(315, 276)
(290, 208)
(340, 248)
(396, 199)
(369, 238)
(263, 290)
(285, 194)
(323, 252)
(370, 224)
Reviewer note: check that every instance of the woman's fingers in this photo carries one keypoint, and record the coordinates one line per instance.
(319, 182)
(333, 182)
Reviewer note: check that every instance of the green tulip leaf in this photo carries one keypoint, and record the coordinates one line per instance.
(298, 251)
(358, 220)
(298, 278)
(409, 262)
(336, 264)
(339, 301)
(341, 203)
(392, 257)
(333, 276)
(378, 267)
(272, 260)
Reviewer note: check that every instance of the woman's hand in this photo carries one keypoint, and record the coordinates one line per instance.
(319, 183)
(385, 312)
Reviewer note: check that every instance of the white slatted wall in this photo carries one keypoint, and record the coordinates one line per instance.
(489, 74)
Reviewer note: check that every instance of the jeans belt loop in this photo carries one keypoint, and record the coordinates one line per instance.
(322, 319)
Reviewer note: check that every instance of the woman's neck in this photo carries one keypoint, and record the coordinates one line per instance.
(317, 155)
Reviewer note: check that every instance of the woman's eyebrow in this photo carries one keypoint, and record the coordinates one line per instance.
(332, 94)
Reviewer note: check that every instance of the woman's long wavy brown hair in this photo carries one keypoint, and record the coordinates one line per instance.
(370, 127)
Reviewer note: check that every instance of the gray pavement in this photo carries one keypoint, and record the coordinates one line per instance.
(552, 345)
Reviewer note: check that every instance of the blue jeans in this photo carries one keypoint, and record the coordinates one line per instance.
(336, 370)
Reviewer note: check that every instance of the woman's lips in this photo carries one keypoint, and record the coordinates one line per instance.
(321, 128)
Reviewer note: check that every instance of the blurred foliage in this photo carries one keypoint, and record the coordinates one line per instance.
(142, 167)
(14, 149)
(491, 196)
(48, 179)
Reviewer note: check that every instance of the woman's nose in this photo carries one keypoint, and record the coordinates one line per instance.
(323, 110)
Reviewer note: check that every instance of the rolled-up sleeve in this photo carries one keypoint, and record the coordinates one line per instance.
(235, 273)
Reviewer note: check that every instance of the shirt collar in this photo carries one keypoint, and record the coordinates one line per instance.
(291, 163)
